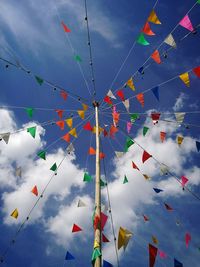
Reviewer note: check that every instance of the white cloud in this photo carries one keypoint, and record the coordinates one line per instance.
(180, 101)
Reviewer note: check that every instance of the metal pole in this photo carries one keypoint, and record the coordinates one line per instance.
(97, 234)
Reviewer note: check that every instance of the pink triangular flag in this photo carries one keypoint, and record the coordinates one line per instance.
(162, 254)
(184, 181)
(186, 23)
(129, 125)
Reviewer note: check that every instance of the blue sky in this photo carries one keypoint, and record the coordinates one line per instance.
(31, 32)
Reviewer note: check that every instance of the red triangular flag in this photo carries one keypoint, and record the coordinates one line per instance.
(113, 130)
(92, 151)
(104, 219)
(155, 117)
(162, 136)
(140, 98)
(87, 126)
(197, 71)
(35, 190)
(108, 100)
(66, 29)
(120, 93)
(101, 155)
(105, 239)
(152, 255)
(64, 94)
(156, 56)
(145, 156)
(135, 166)
(168, 207)
(66, 137)
(76, 228)
(105, 133)
(146, 219)
(61, 124)
(147, 30)
(59, 112)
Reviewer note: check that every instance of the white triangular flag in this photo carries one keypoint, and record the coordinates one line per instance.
(119, 154)
(170, 41)
(164, 170)
(70, 148)
(81, 204)
(5, 137)
(110, 94)
(179, 117)
(18, 172)
(126, 104)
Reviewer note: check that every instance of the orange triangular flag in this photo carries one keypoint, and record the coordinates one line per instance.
(153, 18)
(73, 132)
(162, 136)
(92, 151)
(61, 124)
(147, 30)
(66, 137)
(35, 190)
(140, 98)
(156, 56)
(65, 28)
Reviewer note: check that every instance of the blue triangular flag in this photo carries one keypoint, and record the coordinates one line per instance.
(107, 264)
(69, 256)
(157, 190)
(198, 145)
(155, 91)
(141, 70)
(177, 263)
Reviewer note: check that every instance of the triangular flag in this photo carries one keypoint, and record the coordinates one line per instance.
(141, 40)
(73, 132)
(141, 70)
(126, 104)
(140, 98)
(187, 239)
(119, 154)
(87, 126)
(135, 166)
(156, 57)
(113, 131)
(54, 167)
(64, 94)
(85, 107)
(29, 111)
(60, 124)
(96, 253)
(66, 137)
(15, 214)
(123, 238)
(170, 41)
(145, 156)
(70, 148)
(110, 94)
(128, 126)
(125, 180)
(186, 23)
(42, 155)
(87, 177)
(65, 28)
(184, 181)
(69, 122)
(157, 190)
(60, 113)
(155, 91)
(152, 255)
(180, 140)
(147, 30)
(35, 190)
(198, 145)
(129, 142)
(155, 117)
(104, 219)
(69, 256)
(102, 183)
(179, 117)
(107, 264)
(196, 71)
(76, 228)
(185, 78)
(105, 239)
(153, 18)
(146, 177)
(101, 155)
(92, 151)
(130, 84)
(81, 113)
(18, 172)
(145, 130)
(164, 170)
(168, 207)
(155, 240)
(162, 254)
(32, 131)
(177, 263)
(81, 204)
(78, 58)
(5, 137)
(120, 93)
(146, 219)
(39, 80)
(162, 136)
(108, 100)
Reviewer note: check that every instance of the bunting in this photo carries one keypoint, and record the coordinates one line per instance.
(187, 239)
(69, 122)
(87, 177)
(105, 239)
(140, 98)
(111, 95)
(69, 256)
(81, 114)
(135, 166)
(123, 237)
(129, 142)
(65, 28)
(153, 18)
(78, 58)
(155, 117)
(170, 41)
(179, 140)
(141, 39)
(108, 100)
(73, 132)
(39, 80)
(66, 137)
(186, 23)
(145, 130)
(54, 167)
(146, 219)
(152, 255)
(60, 124)
(88, 126)
(85, 107)
(185, 78)
(32, 131)
(96, 253)
(35, 190)
(29, 111)
(126, 104)
(128, 126)
(145, 156)
(125, 180)
(64, 94)
(197, 71)
(162, 136)
(177, 263)
(155, 240)
(180, 116)
(147, 30)
(92, 151)
(120, 93)
(156, 57)
(60, 113)
(130, 84)
(76, 228)
(15, 214)
(168, 207)
(184, 181)
(70, 148)
(81, 204)
(155, 91)
(42, 155)
(5, 137)
(107, 264)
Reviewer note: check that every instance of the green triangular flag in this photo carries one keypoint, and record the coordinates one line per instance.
(141, 40)
(29, 111)
(87, 177)
(42, 155)
(134, 117)
(39, 80)
(54, 167)
(145, 130)
(198, 1)
(78, 58)
(32, 131)
(102, 183)
(129, 142)
(125, 180)
(96, 253)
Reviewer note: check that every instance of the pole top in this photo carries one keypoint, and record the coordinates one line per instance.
(95, 104)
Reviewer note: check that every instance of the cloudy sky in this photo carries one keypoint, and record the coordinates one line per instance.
(31, 36)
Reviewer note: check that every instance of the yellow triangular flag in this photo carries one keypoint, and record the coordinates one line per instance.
(180, 140)
(73, 132)
(96, 244)
(123, 237)
(100, 130)
(15, 213)
(185, 78)
(69, 122)
(155, 240)
(81, 113)
(153, 18)
(130, 84)
(85, 107)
